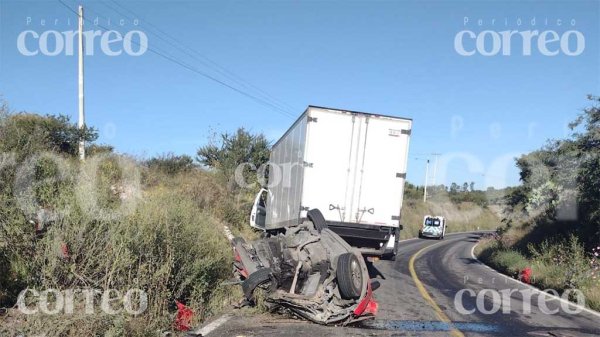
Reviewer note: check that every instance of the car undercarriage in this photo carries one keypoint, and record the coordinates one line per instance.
(310, 272)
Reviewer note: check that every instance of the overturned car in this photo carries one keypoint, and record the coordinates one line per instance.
(311, 272)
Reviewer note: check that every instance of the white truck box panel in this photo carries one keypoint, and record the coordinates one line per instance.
(286, 176)
(349, 165)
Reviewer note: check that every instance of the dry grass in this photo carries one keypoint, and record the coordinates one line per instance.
(557, 265)
(169, 243)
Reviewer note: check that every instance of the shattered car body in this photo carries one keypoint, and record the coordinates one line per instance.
(313, 273)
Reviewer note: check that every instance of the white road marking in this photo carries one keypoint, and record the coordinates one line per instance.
(536, 290)
(203, 331)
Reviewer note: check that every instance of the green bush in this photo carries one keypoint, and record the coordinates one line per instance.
(27, 134)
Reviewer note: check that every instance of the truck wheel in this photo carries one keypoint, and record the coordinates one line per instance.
(349, 276)
(389, 256)
(317, 219)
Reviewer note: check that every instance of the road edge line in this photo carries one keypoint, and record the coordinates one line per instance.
(537, 290)
(210, 327)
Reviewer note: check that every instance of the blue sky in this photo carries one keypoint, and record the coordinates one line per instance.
(389, 57)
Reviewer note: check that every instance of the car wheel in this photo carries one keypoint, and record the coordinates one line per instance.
(317, 218)
(256, 279)
(349, 276)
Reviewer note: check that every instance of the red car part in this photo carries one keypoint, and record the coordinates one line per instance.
(368, 305)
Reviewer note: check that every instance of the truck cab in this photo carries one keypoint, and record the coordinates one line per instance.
(433, 227)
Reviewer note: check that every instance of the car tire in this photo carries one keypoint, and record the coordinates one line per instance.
(317, 218)
(349, 276)
(255, 279)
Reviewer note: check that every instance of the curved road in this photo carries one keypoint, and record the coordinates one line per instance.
(417, 297)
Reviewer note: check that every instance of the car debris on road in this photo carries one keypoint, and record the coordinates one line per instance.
(307, 271)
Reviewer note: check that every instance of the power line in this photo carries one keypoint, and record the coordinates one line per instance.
(199, 56)
(193, 69)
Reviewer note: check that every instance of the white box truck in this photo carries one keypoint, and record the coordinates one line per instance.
(341, 169)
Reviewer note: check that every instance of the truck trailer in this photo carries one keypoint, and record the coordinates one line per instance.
(344, 170)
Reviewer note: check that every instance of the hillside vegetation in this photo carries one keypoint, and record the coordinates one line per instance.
(552, 222)
(111, 222)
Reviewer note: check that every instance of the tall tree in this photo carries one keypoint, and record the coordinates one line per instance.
(233, 150)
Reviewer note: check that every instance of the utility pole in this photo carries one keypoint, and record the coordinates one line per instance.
(81, 121)
(425, 187)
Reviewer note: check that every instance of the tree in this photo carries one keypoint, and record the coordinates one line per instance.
(587, 147)
(233, 150)
(472, 186)
(563, 178)
(454, 188)
(26, 133)
(465, 187)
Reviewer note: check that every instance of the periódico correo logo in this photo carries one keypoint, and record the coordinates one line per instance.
(53, 43)
(507, 42)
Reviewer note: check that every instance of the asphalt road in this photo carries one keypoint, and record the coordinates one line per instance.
(417, 298)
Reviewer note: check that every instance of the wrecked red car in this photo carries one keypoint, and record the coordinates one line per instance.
(310, 272)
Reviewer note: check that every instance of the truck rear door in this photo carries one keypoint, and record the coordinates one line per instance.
(330, 140)
(381, 170)
(356, 165)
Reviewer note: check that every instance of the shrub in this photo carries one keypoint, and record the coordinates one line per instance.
(170, 163)
(95, 149)
(27, 134)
